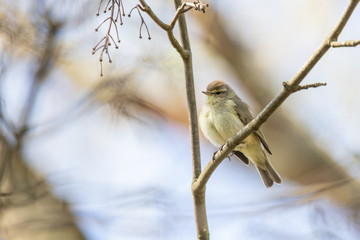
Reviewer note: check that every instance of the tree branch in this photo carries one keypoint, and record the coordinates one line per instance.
(143, 23)
(196, 5)
(146, 8)
(303, 87)
(116, 9)
(168, 28)
(105, 42)
(185, 52)
(199, 196)
(350, 43)
(199, 184)
(179, 11)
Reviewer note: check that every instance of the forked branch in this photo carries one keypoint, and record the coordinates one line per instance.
(116, 8)
(184, 7)
(143, 23)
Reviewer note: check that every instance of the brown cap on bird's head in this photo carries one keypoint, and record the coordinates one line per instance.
(216, 87)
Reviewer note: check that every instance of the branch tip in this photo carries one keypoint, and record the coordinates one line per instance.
(199, 6)
(293, 89)
(349, 43)
(143, 23)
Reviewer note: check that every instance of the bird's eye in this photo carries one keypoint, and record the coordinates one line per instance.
(217, 93)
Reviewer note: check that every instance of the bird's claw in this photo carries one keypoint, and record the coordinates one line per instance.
(213, 157)
(220, 149)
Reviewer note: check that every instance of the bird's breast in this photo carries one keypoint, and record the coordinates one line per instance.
(219, 123)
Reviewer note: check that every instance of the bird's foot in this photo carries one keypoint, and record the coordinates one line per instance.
(220, 149)
(213, 157)
(229, 156)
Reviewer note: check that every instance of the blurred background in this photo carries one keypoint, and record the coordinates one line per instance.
(84, 157)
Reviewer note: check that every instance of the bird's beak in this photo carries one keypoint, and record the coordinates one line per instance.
(206, 93)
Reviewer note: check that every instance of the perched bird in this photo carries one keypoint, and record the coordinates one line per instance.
(222, 116)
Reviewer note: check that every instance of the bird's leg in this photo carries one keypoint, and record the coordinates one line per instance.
(220, 149)
(213, 157)
(229, 156)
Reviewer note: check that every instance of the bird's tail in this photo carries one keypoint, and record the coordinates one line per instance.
(269, 176)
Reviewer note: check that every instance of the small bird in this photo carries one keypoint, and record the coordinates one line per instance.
(222, 116)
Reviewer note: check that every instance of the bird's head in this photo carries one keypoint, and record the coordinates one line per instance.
(218, 91)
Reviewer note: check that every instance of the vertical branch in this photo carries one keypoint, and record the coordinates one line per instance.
(185, 52)
(199, 196)
(190, 92)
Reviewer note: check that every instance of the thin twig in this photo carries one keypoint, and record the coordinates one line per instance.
(98, 12)
(146, 8)
(105, 42)
(115, 16)
(349, 43)
(197, 5)
(179, 11)
(302, 87)
(143, 23)
(169, 29)
(182, 8)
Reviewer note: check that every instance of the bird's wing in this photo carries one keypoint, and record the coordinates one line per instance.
(242, 157)
(262, 140)
(243, 113)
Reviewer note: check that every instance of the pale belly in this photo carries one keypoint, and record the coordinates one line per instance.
(218, 126)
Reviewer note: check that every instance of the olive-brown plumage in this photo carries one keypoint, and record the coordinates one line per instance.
(222, 116)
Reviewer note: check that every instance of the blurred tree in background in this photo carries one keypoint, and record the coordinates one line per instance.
(28, 208)
(60, 158)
